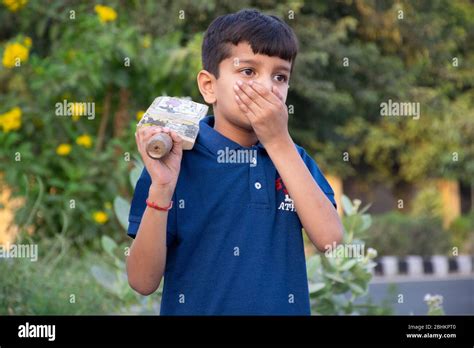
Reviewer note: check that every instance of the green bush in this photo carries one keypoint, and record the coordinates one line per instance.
(337, 283)
(57, 283)
(399, 234)
(70, 167)
(112, 276)
(427, 202)
(64, 281)
(462, 231)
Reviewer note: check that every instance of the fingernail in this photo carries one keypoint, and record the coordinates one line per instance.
(251, 83)
(236, 87)
(239, 82)
(166, 129)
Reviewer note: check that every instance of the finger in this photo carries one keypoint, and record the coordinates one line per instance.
(150, 132)
(264, 93)
(251, 94)
(142, 131)
(277, 93)
(177, 140)
(245, 110)
(139, 143)
(246, 101)
(177, 148)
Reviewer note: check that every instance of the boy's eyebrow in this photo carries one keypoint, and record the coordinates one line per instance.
(249, 61)
(256, 62)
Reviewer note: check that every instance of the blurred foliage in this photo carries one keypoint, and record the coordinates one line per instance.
(73, 171)
(63, 281)
(57, 283)
(462, 232)
(120, 65)
(401, 50)
(121, 55)
(427, 202)
(338, 279)
(435, 304)
(112, 276)
(399, 234)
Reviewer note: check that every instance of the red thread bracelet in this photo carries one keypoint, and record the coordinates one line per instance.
(154, 206)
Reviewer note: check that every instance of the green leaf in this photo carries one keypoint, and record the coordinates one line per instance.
(109, 245)
(366, 222)
(121, 210)
(106, 278)
(347, 205)
(135, 175)
(356, 288)
(312, 264)
(347, 265)
(315, 287)
(334, 277)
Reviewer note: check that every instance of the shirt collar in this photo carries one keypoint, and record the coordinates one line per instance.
(215, 141)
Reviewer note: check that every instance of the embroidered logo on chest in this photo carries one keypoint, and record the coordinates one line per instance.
(287, 203)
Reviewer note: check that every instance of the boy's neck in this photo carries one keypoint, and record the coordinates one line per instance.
(235, 133)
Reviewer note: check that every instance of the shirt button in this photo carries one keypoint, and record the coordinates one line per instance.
(258, 186)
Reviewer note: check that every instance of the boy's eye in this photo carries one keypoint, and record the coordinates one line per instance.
(281, 78)
(247, 72)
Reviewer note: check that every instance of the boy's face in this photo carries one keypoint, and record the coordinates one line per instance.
(246, 66)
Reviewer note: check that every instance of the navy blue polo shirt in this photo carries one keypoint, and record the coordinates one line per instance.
(235, 244)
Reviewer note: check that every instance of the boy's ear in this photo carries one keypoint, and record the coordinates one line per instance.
(206, 83)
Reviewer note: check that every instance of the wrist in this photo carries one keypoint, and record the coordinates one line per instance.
(160, 194)
(280, 144)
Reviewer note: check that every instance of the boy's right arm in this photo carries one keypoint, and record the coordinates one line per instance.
(147, 259)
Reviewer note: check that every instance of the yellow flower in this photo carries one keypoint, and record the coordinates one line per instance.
(100, 217)
(146, 42)
(14, 5)
(11, 120)
(84, 140)
(13, 52)
(77, 110)
(70, 55)
(27, 41)
(63, 149)
(140, 114)
(106, 13)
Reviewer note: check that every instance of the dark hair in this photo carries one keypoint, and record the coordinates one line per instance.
(266, 34)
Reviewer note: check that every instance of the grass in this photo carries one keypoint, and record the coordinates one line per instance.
(59, 282)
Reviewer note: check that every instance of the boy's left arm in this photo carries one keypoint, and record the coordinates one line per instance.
(269, 118)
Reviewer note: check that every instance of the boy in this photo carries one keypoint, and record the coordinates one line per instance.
(227, 236)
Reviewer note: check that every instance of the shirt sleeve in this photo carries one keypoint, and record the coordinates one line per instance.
(138, 206)
(318, 176)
